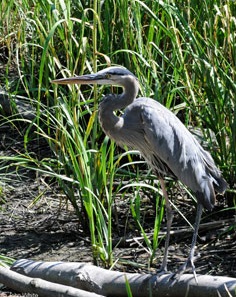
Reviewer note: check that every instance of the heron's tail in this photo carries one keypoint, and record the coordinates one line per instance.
(206, 196)
(219, 184)
(211, 184)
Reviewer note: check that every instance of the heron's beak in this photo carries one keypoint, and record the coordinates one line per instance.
(80, 80)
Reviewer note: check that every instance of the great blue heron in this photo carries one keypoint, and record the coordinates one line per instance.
(163, 141)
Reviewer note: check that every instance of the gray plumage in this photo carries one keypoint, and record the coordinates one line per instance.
(162, 139)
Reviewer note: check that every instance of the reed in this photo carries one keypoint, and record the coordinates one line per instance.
(184, 57)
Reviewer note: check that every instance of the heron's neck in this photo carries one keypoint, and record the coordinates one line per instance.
(108, 120)
(112, 124)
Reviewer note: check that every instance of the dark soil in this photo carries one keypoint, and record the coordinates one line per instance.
(48, 229)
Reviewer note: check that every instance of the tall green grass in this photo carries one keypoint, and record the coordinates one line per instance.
(184, 56)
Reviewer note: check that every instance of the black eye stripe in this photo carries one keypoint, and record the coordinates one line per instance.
(108, 75)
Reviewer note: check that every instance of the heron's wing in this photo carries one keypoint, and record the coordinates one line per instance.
(157, 134)
(172, 144)
(171, 149)
(167, 138)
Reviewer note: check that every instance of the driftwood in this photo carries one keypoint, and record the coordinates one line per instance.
(39, 287)
(89, 278)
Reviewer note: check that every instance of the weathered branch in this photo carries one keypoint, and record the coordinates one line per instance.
(39, 287)
(112, 283)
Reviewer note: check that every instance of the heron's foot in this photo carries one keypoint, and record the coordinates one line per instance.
(162, 271)
(189, 264)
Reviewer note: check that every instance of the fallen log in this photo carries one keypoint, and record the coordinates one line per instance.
(38, 286)
(104, 282)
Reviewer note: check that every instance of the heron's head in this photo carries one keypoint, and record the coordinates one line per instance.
(119, 76)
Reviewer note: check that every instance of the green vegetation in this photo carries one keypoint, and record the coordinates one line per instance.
(184, 54)
(6, 261)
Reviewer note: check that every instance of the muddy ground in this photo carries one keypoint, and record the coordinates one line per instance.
(49, 230)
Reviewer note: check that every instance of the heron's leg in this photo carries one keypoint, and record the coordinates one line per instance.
(190, 260)
(169, 219)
